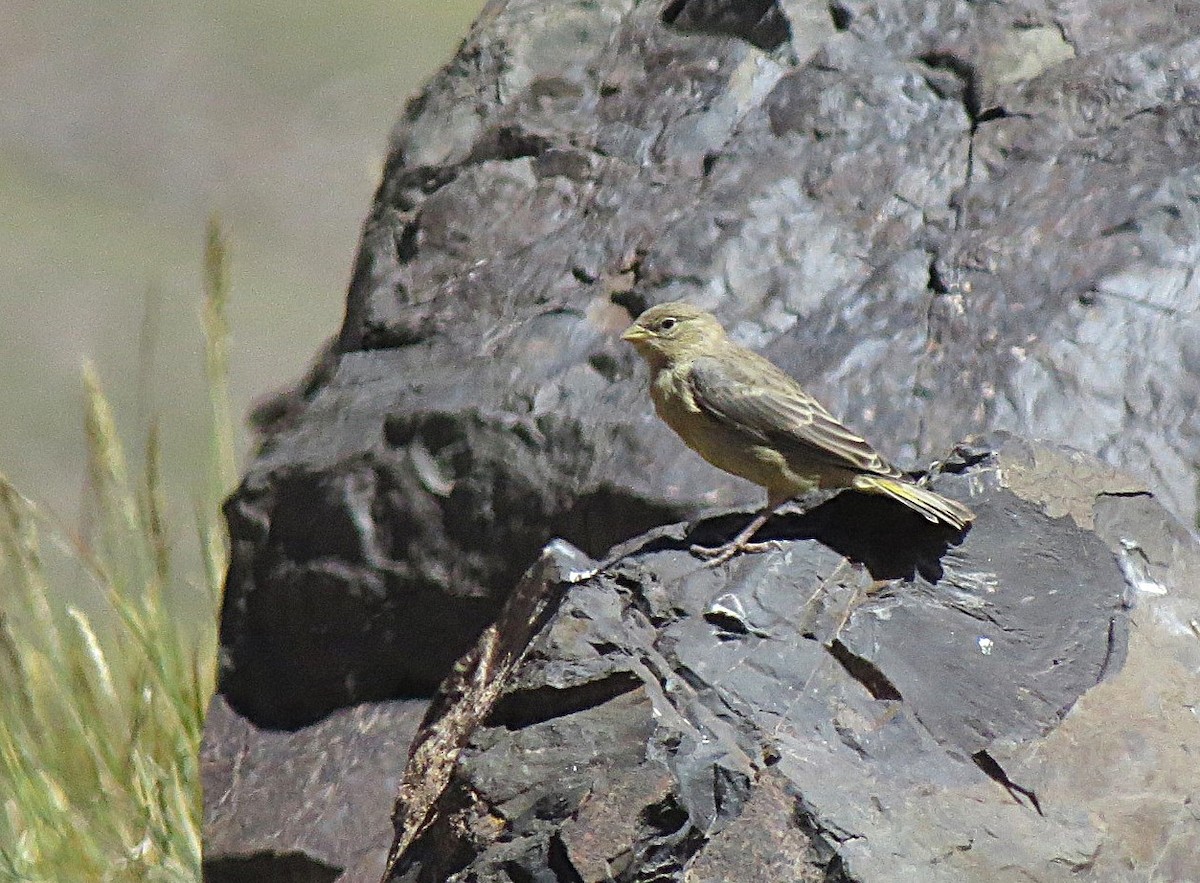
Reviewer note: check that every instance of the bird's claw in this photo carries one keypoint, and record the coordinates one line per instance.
(714, 555)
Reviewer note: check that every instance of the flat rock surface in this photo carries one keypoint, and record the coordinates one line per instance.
(1019, 707)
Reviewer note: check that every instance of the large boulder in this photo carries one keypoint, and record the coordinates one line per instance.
(942, 217)
(1017, 706)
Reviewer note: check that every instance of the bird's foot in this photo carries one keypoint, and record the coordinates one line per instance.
(715, 555)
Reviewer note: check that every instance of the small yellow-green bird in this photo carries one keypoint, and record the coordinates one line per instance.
(744, 415)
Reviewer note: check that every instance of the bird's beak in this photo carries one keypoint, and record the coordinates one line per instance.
(634, 333)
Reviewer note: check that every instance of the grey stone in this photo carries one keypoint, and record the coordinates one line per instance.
(944, 218)
(311, 805)
(1015, 707)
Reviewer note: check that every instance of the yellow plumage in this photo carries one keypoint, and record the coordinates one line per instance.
(745, 416)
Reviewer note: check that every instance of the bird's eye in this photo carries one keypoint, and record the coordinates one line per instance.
(666, 324)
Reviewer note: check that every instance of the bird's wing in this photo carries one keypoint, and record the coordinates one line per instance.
(750, 394)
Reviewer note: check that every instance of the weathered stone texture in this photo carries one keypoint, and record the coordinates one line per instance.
(944, 218)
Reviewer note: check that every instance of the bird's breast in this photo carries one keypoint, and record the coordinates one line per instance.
(722, 446)
(674, 403)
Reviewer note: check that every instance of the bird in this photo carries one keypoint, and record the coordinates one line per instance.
(747, 417)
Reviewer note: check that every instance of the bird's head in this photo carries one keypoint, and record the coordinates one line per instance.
(672, 331)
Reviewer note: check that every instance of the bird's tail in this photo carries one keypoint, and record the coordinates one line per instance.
(934, 507)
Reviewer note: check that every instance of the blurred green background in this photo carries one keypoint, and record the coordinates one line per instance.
(123, 127)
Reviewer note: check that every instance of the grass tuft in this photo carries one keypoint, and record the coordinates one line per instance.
(101, 714)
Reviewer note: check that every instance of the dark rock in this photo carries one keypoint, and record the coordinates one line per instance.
(309, 806)
(943, 218)
(799, 715)
(364, 573)
(761, 23)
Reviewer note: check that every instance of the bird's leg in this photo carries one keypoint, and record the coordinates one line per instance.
(740, 543)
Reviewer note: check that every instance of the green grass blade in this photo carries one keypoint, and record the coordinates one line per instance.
(105, 687)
